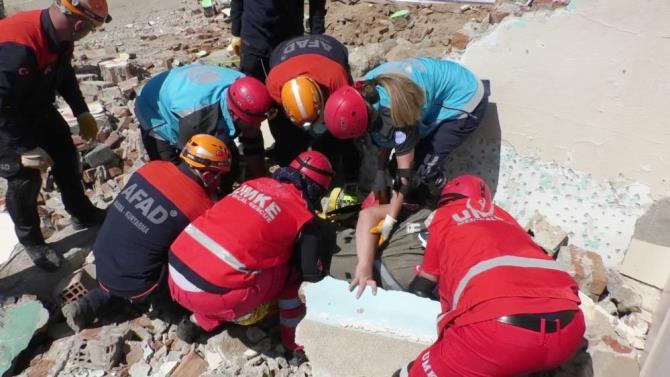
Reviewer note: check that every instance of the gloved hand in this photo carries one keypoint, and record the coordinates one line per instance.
(384, 228)
(235, 45)
(382, 181)
(36, 158)
(88, 126)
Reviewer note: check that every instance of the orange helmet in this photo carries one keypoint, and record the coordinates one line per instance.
(95, 11)
(302, 101)
(207, 152)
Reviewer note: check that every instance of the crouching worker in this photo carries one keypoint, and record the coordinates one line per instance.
(253, 247)
(198, 98)
(156, 204)
(507, 308)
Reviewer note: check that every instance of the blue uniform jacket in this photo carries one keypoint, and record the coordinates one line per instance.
(448, 87)
(176, 104)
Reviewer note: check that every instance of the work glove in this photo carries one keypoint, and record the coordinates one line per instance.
(88, 126)
(384, 228)
(235, 45)
(36, 158)
(382, 181)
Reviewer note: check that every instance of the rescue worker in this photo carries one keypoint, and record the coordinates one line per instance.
(422, 108)
(253, 247)
(303, 72)
(261, 25)
(198, 98)
(508, 309)
(35, 63)
(156, 204)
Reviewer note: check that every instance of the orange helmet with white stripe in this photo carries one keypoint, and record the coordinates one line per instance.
(95, 11)
(302, 100)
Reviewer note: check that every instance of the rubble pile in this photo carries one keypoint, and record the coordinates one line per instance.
(618, 309)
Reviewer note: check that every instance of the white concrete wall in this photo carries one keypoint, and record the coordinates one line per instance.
(586, 87)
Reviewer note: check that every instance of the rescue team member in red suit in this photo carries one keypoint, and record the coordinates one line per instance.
(508, 309)
(35, 62)
(156, 204)
(253, 247)
(304, 71)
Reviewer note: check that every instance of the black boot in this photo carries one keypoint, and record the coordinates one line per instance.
(82, 313)
(188, 331)
(95, 218)
(44, 257)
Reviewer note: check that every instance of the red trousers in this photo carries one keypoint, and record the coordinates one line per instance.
(494, 349)
(211, 310)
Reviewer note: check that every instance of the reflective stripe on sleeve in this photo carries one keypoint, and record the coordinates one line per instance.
(216, 249)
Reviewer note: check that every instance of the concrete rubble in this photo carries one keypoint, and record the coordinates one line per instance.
(112, 65)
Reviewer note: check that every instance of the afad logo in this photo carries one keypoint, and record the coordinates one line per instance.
(470, 214)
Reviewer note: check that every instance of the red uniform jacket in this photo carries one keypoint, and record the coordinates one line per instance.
(482, 256)
(252, 229)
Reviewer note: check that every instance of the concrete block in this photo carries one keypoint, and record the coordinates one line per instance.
(128, 87)
(115, 70)
(20, 320)
(192, 365)
(76, 286)
(627, 300)
(403, 323)
(586, 267)
(111, 95)
(94, 88)
(101, 155)
(637, 263)
(548, 236)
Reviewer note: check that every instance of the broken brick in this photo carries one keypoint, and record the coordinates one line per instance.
(128, 87)
(460, 41)
(587, 268)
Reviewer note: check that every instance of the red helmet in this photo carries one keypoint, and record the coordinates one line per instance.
(249, 100)
(315, 166)
(346, 113)
(466, 186)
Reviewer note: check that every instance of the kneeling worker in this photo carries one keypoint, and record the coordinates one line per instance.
(253, 247)
(508, 309)
(156, 204)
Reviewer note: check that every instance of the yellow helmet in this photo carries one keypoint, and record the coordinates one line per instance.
(302, 101)
(95, 11)
(207, 152)
(344, 204)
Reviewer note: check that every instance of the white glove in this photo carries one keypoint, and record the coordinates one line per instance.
(36, 158)
(384, 228)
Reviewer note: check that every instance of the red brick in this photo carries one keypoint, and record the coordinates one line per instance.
(460, 40)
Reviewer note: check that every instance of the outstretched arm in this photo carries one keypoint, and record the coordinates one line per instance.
(366, 247)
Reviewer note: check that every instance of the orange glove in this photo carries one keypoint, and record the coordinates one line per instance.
(384, 228)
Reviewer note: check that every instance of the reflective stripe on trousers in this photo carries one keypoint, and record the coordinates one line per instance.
(502, 261)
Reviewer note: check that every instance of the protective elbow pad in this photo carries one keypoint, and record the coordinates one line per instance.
(423, 287)
(399, 186)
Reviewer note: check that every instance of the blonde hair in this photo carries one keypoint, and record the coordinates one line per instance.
(406, 98)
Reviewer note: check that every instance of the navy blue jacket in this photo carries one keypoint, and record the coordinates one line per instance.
(264, 24)
(156, 204)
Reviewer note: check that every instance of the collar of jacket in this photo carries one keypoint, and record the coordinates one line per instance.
(50, 31)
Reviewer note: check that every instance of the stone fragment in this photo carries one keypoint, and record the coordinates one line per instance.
(611, 364)
(101, 155)
(21, 318)
(113, 140)
(627, 300)
(364, 58)
(503, 10)
(548, 236)
(191, 366)
(129, 87)
(586, 267)
(460, 40)
(115, 70)
(94, 88)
